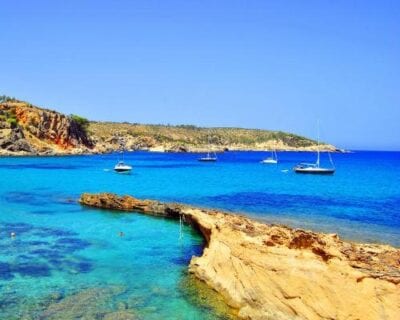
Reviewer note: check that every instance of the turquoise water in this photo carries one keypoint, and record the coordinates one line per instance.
(64, 254)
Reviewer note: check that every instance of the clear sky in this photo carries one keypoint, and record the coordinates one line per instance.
(259, 64)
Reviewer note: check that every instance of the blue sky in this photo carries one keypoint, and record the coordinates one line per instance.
(260, 64)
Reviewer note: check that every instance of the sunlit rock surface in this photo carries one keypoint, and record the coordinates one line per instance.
(276, 272)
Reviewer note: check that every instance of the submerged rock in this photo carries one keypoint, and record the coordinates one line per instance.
(87, 304)
(276, 272)
(120, 315)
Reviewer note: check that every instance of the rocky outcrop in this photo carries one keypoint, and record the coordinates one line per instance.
(36, 130)
(52, 126)
(276, 272)
(13, 140)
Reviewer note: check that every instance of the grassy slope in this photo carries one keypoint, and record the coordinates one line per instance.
(191, 135)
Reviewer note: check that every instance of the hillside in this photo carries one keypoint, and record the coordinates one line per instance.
(27, 129)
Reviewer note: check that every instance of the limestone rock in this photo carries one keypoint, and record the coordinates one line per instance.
(276, 272)
(24, 128)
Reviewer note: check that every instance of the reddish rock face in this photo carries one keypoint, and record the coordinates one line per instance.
(44, 130)
(52, 126)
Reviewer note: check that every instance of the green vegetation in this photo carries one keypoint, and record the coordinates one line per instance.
(4, 98)
(81, 121)
(10, 117)
(187, 126)
(188, 135)
(13, 122)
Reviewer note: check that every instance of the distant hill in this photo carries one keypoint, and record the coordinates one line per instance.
(27, 129)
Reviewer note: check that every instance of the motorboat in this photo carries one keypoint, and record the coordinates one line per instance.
(121, 167)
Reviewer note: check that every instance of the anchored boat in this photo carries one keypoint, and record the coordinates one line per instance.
(315, 168)
(312, 168)
(122, 167)
(211, 156)
(273, 159)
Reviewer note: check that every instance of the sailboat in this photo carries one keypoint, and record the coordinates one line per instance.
(315, 168)
(273, 159)
(211, 156)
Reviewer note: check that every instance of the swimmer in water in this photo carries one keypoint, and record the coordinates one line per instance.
(121, 234)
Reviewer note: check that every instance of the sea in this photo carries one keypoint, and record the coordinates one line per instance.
(66, 261)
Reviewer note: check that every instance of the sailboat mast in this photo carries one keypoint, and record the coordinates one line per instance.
(318, 156)
(209, 146)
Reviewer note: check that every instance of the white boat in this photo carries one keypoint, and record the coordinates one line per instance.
(209, 158)
(273, 159)
(211, 155)
(315, 168)
(122, 167)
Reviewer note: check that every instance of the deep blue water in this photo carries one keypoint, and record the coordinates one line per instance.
(61, 249)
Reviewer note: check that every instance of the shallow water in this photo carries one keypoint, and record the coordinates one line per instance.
(64, 255)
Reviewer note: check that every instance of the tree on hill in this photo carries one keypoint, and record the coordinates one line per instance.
(81, 121)
(4, 98)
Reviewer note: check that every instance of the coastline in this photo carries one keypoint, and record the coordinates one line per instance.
(276, 272)
(74, 152)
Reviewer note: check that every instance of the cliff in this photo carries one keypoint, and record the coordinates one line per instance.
(275, 272)
(27, 129)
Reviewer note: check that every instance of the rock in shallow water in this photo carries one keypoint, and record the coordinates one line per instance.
(120, 315)
(91, 303)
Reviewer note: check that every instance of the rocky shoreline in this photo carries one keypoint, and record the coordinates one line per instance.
(275, 272)
(161, 149)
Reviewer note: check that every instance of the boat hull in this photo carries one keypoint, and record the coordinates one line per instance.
(207, 159)
(269, 161)
(122, 170)
(314, 171)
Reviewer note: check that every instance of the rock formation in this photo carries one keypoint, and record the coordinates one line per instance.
(275, 272)
(28, 129)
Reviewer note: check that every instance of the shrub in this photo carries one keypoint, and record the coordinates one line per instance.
(13, 122)
(4, 98)
(81, 121)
